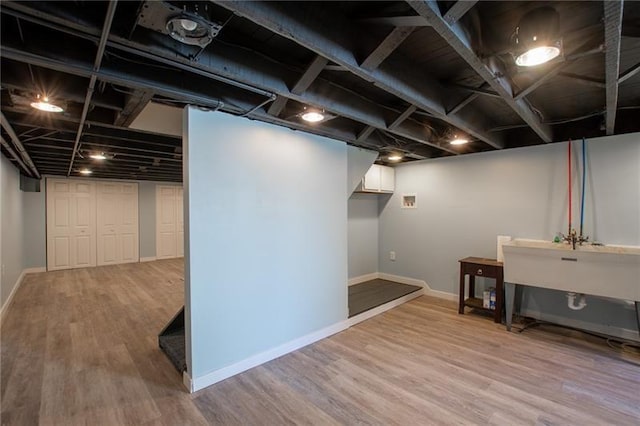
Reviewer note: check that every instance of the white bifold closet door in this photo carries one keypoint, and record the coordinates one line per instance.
(117, 223)
(169, 222)
(71, 224)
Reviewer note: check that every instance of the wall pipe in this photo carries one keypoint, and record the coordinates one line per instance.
(584, 184)
(19, 147)
(569, 169)
(106, 29)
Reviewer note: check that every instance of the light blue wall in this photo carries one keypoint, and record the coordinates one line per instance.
(35, 231)
(266, 256)
(359, 161)
(11, 214)
(363, 234)
(465, 202)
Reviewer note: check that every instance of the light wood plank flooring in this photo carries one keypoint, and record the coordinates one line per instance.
(80, 347)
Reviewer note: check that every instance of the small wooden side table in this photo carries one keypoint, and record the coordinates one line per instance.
(480, 267)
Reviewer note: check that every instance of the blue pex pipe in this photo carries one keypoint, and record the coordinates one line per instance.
(584, 182)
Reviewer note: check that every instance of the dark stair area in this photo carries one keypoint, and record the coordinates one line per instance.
(371, 294)
(172, 341)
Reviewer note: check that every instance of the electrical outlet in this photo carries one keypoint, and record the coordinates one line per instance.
(392, 255)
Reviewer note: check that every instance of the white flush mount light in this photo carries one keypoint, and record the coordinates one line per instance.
(537, 37)
(193, 25)
(312, 116)
(537, 56)
(98, 156)
(459, 141)
(43, 104)
(85, 171)
(395, 157)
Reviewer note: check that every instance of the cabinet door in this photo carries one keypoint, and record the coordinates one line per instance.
(371, 181)
(387, 178)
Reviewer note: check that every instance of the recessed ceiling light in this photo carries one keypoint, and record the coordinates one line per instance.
(192, 29)
(394, 157)
(459, 141)
(44, 105)
(312, 116)
(98, 156)
(85, 172)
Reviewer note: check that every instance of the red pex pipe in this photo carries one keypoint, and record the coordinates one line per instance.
(569, 168)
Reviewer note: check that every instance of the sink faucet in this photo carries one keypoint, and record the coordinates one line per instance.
(573, 238)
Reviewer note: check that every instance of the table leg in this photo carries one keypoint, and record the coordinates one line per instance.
(461, 300)
(638, 315)
(472, 286)
(509, 292)
(499, 299)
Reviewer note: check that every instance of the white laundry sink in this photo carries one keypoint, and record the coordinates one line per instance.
(609, 271)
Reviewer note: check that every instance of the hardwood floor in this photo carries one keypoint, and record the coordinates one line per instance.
(80, 347)
(373, 293)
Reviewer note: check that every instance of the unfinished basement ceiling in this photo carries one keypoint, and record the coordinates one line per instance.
(392, 76)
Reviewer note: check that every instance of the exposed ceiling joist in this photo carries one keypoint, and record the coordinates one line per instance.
(15, 156)
(402, 117)
(18, 145)
(458, 10)
(330, 38)
(311, 73)
(466, 101)
(106, 29)
(612, 39)
(386, 47)
(457, 38)
(396, 21)
(365, 133)
(629, 73)
(277, 106)
(587, 81)
(133, 107)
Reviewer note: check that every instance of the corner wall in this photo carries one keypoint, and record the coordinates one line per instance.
(11, 235)
(465, 202)
(266, 252)
(363, 234)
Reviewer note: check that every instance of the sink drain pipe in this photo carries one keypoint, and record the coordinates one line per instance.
(571, 301)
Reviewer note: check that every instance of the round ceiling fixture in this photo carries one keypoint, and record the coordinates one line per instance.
(98, 156)
(85, 171)
(43, 104)
(313, 115)
(394, 157)
(192, 30)
(459, 141)
(537, 37)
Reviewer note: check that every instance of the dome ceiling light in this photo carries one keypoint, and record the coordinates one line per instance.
(43, 104)
(313, 115)
(193, 26)
(537, 37)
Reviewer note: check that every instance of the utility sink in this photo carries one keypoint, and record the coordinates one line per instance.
(609, 271)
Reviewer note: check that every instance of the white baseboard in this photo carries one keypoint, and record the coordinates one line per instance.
(383, 308)
(363, 278)
(147, 259)
(608, 330)
(195, 384)
(18, 283)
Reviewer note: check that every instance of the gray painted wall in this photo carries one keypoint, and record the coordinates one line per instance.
(147, 218)
(11, 212)
(266, 253)
(465, 202)
(363, 234)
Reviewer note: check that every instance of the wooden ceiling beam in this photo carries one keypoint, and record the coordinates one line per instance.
(458, 10)
(390, 43)
(629, 73)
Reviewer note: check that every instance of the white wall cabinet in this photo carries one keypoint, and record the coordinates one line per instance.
(169, 222)
(71, 224)
(117, 223)
(379, 179)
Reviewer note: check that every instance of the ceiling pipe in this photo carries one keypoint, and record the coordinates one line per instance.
(106, 29)
(19, 147)
(11, 152)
